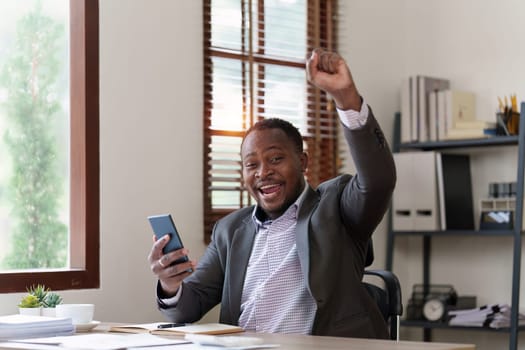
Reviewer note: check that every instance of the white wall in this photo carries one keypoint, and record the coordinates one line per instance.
(374, 59)
(151, 142)
(478, 45)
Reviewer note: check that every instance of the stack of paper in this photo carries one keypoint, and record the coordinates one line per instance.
(24, 326)
(491, 316)
(98, 341)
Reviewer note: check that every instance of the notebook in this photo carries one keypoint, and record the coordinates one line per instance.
(153, 328)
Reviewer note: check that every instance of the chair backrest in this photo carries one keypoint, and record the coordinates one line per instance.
(387, 298)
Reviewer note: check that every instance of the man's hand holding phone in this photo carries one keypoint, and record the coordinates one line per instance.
(168, 258)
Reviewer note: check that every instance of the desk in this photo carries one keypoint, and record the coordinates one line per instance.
(307, 342)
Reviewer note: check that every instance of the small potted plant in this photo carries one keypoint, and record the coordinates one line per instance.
(29, 305)
(49, 305)
(39, 291)
(39, 300)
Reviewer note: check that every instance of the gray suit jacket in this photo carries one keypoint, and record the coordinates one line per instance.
(334, 225)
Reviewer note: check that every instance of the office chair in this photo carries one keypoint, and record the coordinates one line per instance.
(388, 298)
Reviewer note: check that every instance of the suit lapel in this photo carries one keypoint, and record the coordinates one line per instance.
(302, 231)
(241, 249)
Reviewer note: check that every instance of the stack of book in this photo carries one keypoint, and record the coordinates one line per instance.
(417, 123)
(432, 111)
(471, 129)
(24, 326)
(490, 316)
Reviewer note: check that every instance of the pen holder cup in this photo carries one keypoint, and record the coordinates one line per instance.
(508, 123)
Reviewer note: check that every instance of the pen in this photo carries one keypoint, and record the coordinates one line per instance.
(500, 103)
(170, 325)
(514, 103)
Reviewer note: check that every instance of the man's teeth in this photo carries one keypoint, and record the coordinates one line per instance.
(269, 188)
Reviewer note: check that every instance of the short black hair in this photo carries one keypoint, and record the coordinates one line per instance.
(276, 123)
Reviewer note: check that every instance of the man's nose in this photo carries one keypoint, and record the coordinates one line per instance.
(264, 170)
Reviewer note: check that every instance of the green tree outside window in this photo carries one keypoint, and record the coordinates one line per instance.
(35, 139)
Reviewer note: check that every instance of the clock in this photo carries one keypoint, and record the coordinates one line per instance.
(431, 302)
(434, 309)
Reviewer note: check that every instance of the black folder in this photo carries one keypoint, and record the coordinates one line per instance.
(456, 191)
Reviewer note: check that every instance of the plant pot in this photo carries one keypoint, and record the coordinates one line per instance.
(33, 311)
(48, 311)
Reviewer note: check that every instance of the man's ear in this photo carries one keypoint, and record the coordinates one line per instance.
(304, 161)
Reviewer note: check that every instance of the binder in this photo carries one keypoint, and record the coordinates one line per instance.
(415, 199)
(455, 192)
(402, 211)
(424, 184)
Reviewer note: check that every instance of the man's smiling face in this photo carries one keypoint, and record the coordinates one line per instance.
(273, 170)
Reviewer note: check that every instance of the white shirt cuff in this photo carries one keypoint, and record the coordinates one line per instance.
(171, 302)
(354, 119)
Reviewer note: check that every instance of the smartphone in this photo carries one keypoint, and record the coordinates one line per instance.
(163, 225)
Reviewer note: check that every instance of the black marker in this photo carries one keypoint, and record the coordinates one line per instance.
(170, 325)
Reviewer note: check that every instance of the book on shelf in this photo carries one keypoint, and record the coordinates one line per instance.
(459, 134)
(433, 116)
(406, 111)
(414, 120)
(153, 328)
(468, 129)
(459, 106)
(440, 115)
(475, 124)
(418, 117)
(427, 85)
(431, 111)
(26, 326)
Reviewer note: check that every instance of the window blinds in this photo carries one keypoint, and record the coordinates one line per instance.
(254, 68)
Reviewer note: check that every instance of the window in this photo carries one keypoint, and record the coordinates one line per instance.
(81, 268)
(254, 68)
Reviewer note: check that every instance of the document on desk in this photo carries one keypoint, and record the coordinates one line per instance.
(24, 326)
(103, 341)
(177, 329)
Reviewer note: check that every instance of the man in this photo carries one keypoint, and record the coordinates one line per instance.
(294, 262)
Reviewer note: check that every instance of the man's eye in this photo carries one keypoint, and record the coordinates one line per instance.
(249, 165)
(276, 159)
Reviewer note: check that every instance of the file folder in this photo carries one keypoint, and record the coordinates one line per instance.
(455, 192)
(402, 211)
(415, 199)
(424, 189)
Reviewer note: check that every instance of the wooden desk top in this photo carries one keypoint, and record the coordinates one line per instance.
(308, 342)
(303, 342)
